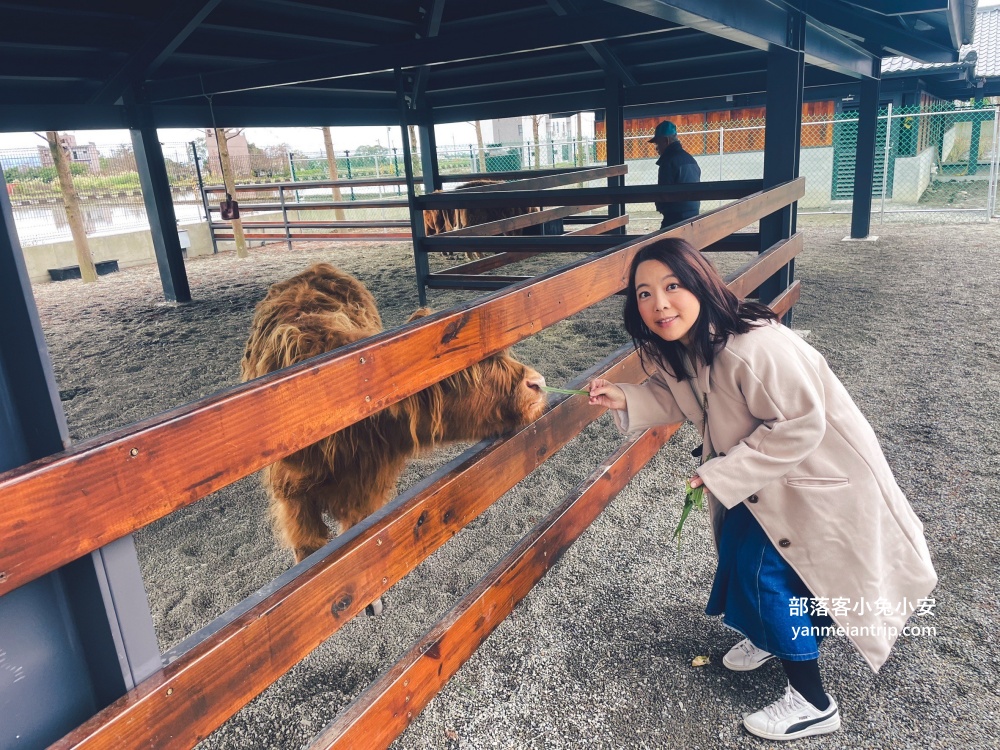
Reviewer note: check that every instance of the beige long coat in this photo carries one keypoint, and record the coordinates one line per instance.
(791, 442)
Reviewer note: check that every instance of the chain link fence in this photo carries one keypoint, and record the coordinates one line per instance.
(107, 183)
(938, 162)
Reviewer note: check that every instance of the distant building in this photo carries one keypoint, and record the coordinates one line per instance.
(88, 154)
(239, 154)
(508, 131)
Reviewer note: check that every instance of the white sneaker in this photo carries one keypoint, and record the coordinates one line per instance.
(744, 656)
(791, 717)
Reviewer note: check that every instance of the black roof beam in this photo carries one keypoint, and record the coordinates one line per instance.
(532, 66)
(748, 59)
(219, 59)
(901, 7)
(506, 17)
(591, 27)
(506, 67)
(310, 12)
(430, 29)
(676, 46)
(182, 18)
(698, 88)
(71, 16)
(575, 102)
(877, 34)
(41, 116)
(600, 52)
(535, 86)
(69, 29)
(758, 24)
(212, 33)
(329, 112)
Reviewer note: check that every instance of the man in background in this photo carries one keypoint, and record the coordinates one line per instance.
(677, 166)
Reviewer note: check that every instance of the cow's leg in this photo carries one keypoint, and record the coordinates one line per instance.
(299, 521)
(357, 497)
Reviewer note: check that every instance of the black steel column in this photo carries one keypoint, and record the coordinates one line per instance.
(864, 164)
(429, 163)
(76, 639)
(614, 140)
(428, 152)
(782, 143)
(159, 204)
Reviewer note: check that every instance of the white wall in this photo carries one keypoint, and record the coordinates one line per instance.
(911, 176)
(129, 249)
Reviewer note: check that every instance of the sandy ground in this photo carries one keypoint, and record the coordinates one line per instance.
(599, 653)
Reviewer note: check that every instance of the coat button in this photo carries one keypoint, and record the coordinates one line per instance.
(784, 542)
(752, 499)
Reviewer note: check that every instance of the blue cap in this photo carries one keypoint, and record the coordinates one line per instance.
(664, 129)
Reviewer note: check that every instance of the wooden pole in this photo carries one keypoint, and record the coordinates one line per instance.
(579, 139)
(88, 272)
(479, 142)
(535, 119)
(230, 182)
(331, 160)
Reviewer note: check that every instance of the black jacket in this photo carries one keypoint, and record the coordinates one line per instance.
(677, 166)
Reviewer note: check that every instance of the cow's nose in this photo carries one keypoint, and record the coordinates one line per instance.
(535, 381)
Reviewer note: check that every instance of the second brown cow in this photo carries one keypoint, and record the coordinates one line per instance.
(439, 220)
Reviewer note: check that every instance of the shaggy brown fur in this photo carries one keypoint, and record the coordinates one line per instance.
(353, 472)
(445, 219)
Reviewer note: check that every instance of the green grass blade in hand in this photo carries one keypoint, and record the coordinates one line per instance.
(550, 389)
(693, 497)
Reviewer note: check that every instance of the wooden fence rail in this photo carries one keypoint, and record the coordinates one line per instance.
(514, 195)
(115, 484)
(540, 192)
(390, 704)
(541, 175)
(209, 679)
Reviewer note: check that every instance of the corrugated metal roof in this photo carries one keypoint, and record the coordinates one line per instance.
(985, 43)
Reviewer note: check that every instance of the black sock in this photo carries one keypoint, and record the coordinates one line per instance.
(804, 677)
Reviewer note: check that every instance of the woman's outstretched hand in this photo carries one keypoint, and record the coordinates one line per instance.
(605, 393)
(695, 481)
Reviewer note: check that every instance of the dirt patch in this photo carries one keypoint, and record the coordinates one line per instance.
(956, 194)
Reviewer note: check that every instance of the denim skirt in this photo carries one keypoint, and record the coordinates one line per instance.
(760, 595)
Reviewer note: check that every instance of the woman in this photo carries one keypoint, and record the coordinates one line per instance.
(811, 530)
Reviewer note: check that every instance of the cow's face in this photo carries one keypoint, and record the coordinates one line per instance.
(494, 396)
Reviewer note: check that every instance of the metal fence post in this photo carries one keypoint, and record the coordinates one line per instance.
(991, 191)
(395, 161)
(347, 157)
(722, 133)
(885, 162)
(284, 215)
(204, 198)
(291, 168)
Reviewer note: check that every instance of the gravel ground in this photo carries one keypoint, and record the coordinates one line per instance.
(598, 655)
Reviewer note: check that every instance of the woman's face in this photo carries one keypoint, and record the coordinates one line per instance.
(668, 309)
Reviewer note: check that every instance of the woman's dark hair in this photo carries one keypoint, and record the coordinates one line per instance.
(722, 313)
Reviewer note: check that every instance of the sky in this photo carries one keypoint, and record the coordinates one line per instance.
(299, 139)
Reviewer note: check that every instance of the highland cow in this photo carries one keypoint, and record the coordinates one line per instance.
(353, 472)
(440, 220)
